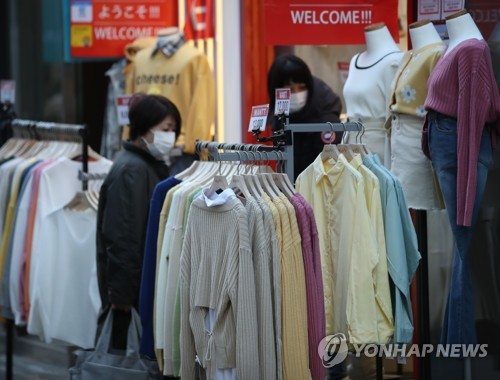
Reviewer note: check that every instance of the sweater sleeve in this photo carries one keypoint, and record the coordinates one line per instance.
(247, 352)
(188, 350)
(474, 105)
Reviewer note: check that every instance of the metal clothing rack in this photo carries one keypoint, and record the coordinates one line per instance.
(292, 129)
(41, 130)
(231, 152)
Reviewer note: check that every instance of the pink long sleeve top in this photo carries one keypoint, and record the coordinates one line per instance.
(463, 86)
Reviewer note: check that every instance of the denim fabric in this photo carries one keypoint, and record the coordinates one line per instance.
(459, 322)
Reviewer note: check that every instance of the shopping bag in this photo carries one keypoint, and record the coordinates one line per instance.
(100, 364)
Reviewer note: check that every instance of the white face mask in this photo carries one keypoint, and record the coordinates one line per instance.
(298, 100)
(162, 145)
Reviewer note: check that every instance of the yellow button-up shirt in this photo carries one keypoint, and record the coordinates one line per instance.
(348, 247)
(380, 275)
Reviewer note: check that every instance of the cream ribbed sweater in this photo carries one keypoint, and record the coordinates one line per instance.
(263, 287)
(274, 251)
(217, 273)
(293, 297)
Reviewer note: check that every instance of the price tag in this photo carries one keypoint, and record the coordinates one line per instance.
(8, 91)
(258, 118)
(282, 101)
(122, 108)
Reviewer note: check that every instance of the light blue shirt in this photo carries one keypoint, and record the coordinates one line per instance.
(401, 244)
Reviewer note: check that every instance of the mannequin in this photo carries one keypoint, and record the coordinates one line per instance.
(423, 33)
(408, 93)
(379, 42)
(461, 27)
(366, 90)
(460, 146)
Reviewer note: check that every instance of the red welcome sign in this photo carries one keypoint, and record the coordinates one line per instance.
(326, 22)
(102, 28)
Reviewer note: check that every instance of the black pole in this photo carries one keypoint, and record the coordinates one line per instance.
(423, 293)
(380, 368)
(85, 156)
(9, 349)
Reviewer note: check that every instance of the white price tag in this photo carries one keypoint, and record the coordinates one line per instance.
(282, 101)
(8, 91)
(258, 118)
(122, 102)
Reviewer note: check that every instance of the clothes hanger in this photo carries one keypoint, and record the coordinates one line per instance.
(267, 183)
(283, 181)
(219, 181)
(330, 150)
(237, 181)
(346, 149)
(248, 178)
(251, 178)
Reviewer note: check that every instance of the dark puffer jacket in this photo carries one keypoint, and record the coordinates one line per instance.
(323, 105)
(121, 223)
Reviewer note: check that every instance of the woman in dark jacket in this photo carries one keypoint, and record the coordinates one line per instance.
(312, 101)
(124, 199)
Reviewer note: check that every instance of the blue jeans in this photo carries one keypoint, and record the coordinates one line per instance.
(459, 322)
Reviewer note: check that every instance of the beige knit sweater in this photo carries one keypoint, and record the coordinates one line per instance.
(217, 273)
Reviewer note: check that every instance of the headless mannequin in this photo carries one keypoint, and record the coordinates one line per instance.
(379, 43)
(461, 27)
(367, 88)
(166, 34)
(423, 33)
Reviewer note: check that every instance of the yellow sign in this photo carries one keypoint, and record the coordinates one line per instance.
(81, 35)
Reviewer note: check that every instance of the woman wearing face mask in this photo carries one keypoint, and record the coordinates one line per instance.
(122, 215)
(312, 101)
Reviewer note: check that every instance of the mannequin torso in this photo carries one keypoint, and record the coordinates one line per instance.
(379, 43)
(461, 28)
(423, 35)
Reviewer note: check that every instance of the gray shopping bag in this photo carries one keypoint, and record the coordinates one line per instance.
(100, 364)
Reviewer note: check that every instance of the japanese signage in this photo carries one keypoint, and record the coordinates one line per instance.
(258, 118)
(102, 28)
(333, 22)
(199, 19)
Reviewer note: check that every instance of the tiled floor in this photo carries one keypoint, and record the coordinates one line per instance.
(34, 360)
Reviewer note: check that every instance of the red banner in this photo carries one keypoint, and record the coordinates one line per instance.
(326, 22)
(102, 28)
(199, 19)
(486, 14)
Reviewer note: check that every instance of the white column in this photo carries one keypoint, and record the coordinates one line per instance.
(228, 71)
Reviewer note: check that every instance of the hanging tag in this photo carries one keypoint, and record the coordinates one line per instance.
(8, 91)
(258, 118)
(282, 101)
(122, 102)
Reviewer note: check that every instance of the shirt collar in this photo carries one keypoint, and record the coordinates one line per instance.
(320, 172)
(169, 44)
(214, 199)
(356, 161)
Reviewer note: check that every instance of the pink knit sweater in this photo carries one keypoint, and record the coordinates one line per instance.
(462, 85)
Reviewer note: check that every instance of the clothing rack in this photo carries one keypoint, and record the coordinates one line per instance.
(41, 130)
(241, 152)
(291, 129)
